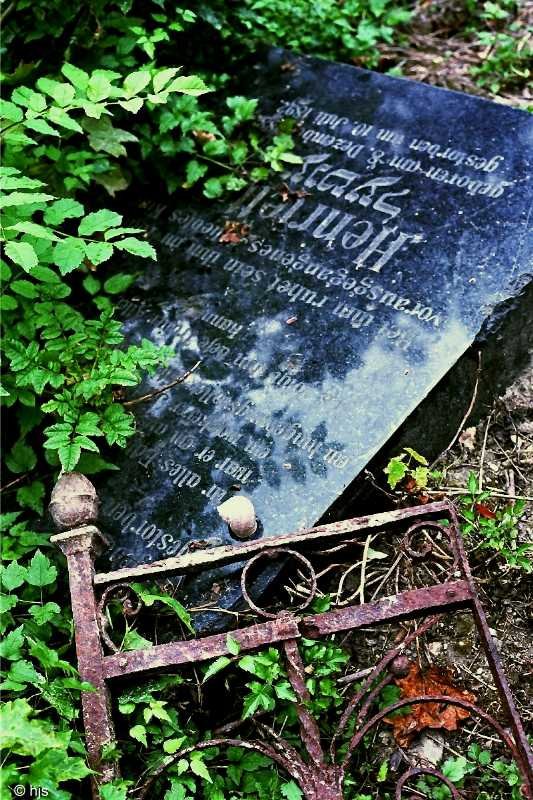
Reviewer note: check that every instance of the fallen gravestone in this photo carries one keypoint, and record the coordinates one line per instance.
(323, 311)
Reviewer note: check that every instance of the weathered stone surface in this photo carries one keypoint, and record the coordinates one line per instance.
(348, 299)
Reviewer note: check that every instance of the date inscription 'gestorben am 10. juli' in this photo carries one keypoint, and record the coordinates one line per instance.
(356, 288)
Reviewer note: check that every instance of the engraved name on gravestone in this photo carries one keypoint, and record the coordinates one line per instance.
(356, 287)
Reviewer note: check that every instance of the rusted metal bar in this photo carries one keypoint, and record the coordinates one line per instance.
(317, 778)
(80, 547)
(230, 554)
(195, 650)
(417, 601)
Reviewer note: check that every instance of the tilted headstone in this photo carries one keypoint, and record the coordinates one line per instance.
(333, 305)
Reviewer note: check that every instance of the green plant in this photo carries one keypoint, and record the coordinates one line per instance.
(494, 528)
(412, 469)
(508, 61)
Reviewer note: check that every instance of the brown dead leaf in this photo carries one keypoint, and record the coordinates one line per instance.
(468, 438)
(233, 232)
(204, 136)
(427, 715)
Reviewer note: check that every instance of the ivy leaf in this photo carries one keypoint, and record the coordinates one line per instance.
(65, 208)
(41, 571)
(99, 221)
(21, 458)
(136, 247)
(69, 254)
(136, 82)
(22, 254)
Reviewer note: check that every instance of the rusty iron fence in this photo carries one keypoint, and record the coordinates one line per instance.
(321, 773)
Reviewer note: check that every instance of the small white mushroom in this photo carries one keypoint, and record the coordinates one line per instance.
(239, 514)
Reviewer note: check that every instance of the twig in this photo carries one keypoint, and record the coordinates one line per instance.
(484, 447)
(495, 492)
(363, 570)
(14, 482)
(151, 395)
(468, 412)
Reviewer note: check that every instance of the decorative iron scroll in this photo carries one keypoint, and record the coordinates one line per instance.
(320, 775)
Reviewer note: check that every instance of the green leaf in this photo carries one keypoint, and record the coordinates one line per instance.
(216, 666)
(455, 769)
(24, 198)
(60, 117)
(98, 252)
(10, 111)
(136, 82)
(45, 613)
(7, 303)
(33, 229)
(199, 768)
(162, 77)
(76, 76)
(41, 571)
(22, 254)
(10, 647)
(23, 735)
(136, 247)
(21, 458)
(69, 254)
(134, 641)
(172, 746)
(416, 456)
(213, 188)
(99, 87)
(105, 138)
(25, 289)
(26, 97)
(13, 576)
(41, 126)
(138, 732)
(188, 84)
(291, 791)
(66, 208)
(99, 221)
(69, 455)
(395, 470)
(194, 171)
(472, 483)
(118, 283)
(134, 105)
(233, 645)
(62, 93)
(91, 284)
(32, 496)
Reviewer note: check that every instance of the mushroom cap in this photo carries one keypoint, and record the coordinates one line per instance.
(239, 513)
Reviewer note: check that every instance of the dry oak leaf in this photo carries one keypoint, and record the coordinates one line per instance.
(427, 715)
(233, 232)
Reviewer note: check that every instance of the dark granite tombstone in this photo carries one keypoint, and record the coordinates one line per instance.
(354, 291)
